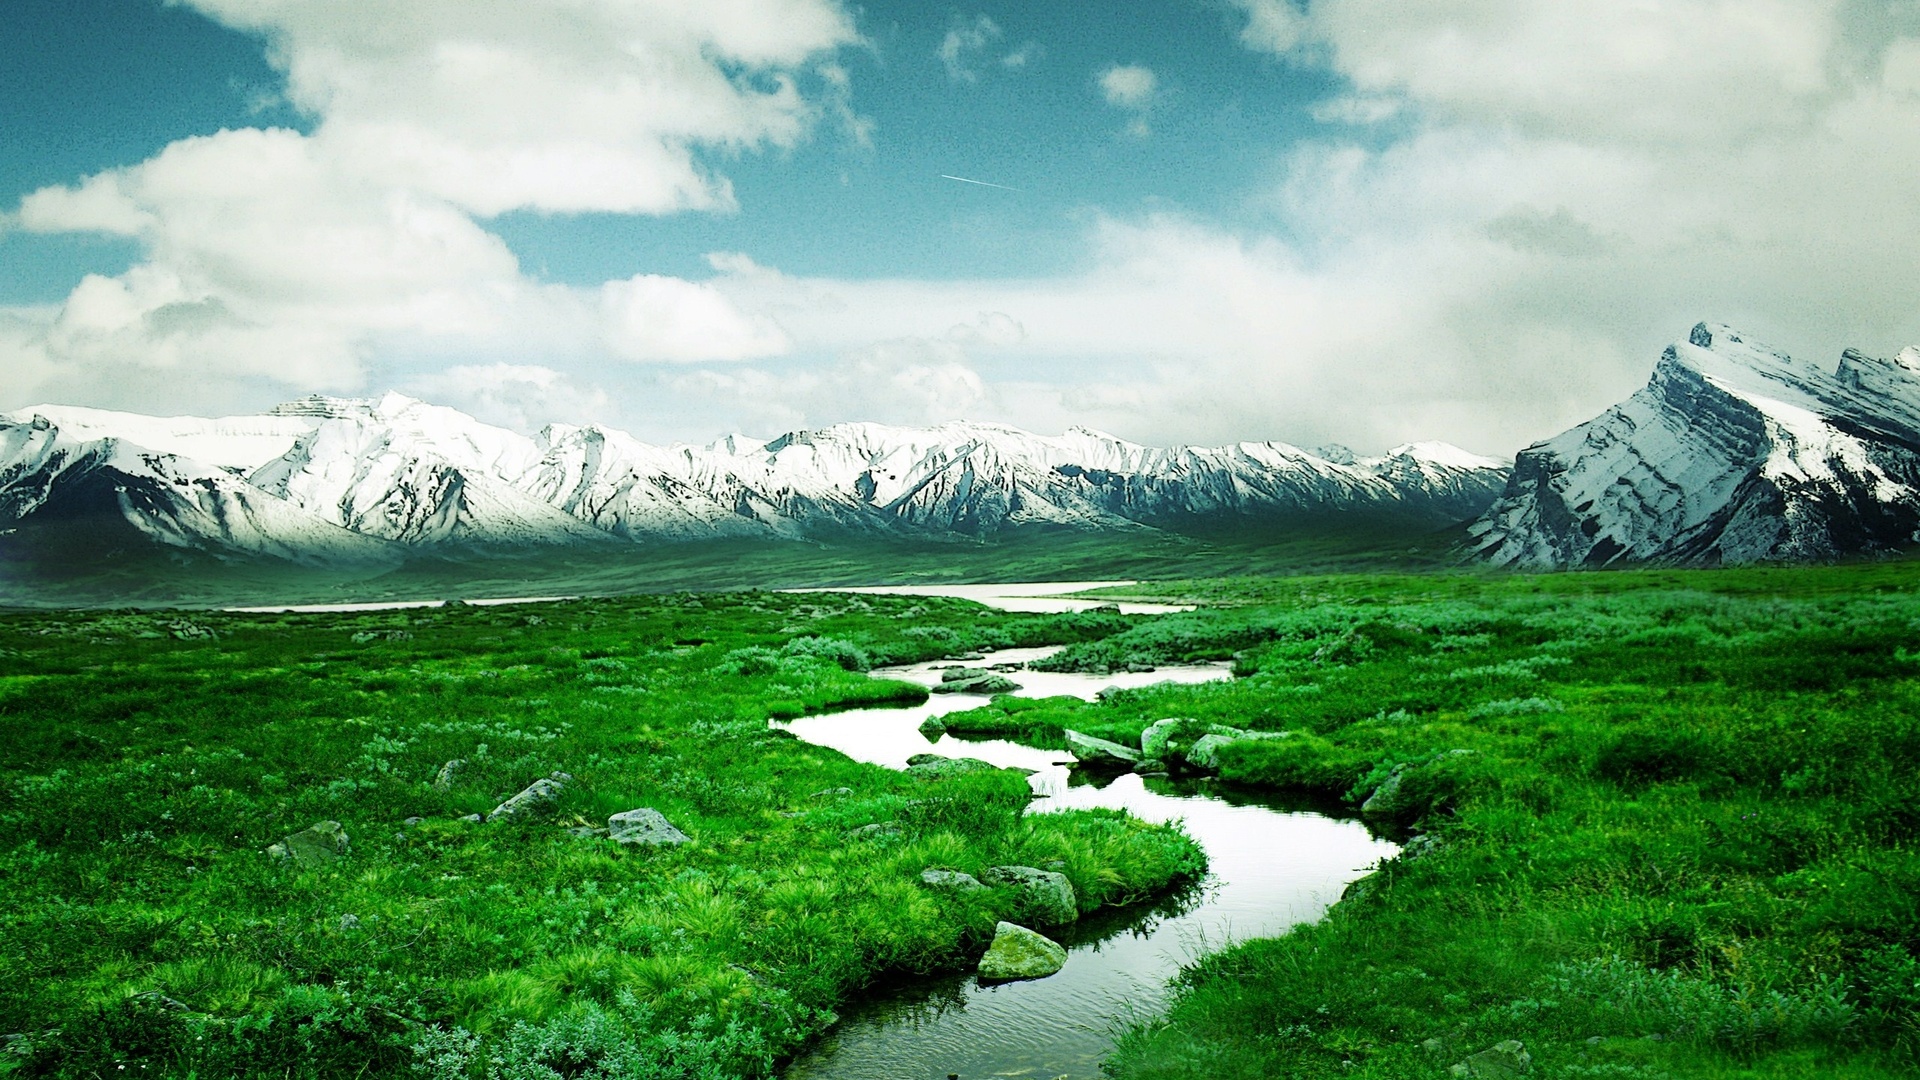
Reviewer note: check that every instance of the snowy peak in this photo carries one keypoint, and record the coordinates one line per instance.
(1734, 452)
(376, 476)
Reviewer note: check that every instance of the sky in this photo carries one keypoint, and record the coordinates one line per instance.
(1179, 221)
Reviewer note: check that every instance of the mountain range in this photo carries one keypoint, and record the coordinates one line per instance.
(330, 481)
(1732, 453)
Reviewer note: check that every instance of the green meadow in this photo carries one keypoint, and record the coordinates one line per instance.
(1657, 824)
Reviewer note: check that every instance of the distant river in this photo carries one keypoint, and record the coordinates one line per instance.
(1271, 866)
(1034, 596)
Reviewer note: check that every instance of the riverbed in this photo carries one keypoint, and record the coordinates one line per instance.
(1271, 866)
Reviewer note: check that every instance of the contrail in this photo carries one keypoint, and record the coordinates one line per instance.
(982, 183)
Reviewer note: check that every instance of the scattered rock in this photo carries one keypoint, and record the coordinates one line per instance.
(935, 767)
(1150, 767)
(1204, 754)
(951, 881)
(1436, 1046)
(536, 798)
(833, 793)
(933, 727)
(966, 680)
(1099, 753)
(412, 821)
(968, 656)
(879, 830)
(474, 818)
(1386, 800)
(1501, 1061)
(1420, 847)
(444, 779)
(644, 826)
(1138, 667)
(1046, 896)
(1020, 953)
(315, 845)
(1154, 740)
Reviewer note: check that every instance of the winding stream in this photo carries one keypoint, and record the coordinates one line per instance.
(1271, 866)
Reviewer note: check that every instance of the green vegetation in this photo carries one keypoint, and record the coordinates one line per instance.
(1658, 824)
(147, 760)
(1681, 840)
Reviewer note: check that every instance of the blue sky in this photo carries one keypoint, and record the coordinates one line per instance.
(1338, 220)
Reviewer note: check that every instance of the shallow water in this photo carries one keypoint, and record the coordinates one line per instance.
(1272, 866)
(1029, 596)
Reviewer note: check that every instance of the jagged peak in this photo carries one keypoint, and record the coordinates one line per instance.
(324, 407)
(1445, 453)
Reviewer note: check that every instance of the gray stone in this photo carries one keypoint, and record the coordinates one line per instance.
(1099, 753)
(879, 830)
(1150, 766)
(315, 845)
(833, 793)
(935, 767)
(537, 798)
(1501, 1061)
(1420, 847)
(474, 818)
(1046, 896)
(1386, 800)
(1204, 754)
(1153, 741)
(933, 727)
(412, 821)
(1020, 953)
(951, 881)
(644, 826)
(444, 779)
(984, 683)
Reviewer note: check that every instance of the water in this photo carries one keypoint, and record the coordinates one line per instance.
(1029, 596)
(393, 605)
(1271, 866)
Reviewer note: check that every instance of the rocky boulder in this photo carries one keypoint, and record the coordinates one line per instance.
(537, 798)
(935, 767)
(1046, 897)
(951, 881)
(966, 680)
(315, 845)
(1099, 753)
(1020, 953)
(1502, 1061)
(644, 826)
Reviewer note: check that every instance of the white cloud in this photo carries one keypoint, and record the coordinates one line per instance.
(524, 397)
(650, 317)
(1129, 86)
(284, 261)
(959, 51)
(1274, 26)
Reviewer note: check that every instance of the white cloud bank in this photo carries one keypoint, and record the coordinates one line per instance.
(1507, 213)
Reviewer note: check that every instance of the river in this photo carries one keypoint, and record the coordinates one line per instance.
(1271, 866)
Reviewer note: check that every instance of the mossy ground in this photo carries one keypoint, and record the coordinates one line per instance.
(1683, 843)
(149, 759)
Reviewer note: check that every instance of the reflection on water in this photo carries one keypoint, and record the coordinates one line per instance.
(1272, 865)
(1031, 596)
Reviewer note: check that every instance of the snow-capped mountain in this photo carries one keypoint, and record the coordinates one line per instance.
(334, 479)
(1732, 453)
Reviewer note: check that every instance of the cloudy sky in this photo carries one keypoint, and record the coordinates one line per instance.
(1363, 221)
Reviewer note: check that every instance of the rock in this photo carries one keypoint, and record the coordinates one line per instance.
(1138, 667)
(833, 793)
(1204, 754)
(879, 830)
(1420, 847)
(1099, 753)
(1020, 953)
(644, 826)
(315, 845)
(951, 881)
(935, 767)
(412, 821)
(1153, 741)
(474, 818)
(349, 922)
(974, 681)
(443, 779)
(933, 727)
(1386, 800)
(536, 798)
(1498, 1062)
(969, 656)
(1046, 896)
(1150, 767)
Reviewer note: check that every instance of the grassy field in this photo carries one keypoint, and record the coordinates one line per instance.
(147, 760)
(1659, 824)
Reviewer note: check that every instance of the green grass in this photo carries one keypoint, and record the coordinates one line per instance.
(147, 760)
(1682, 842)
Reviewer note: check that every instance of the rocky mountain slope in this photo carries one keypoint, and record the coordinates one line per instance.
(1732, 453)
(328, 480)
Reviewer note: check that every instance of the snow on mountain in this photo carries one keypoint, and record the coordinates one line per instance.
(1732, 453)
(107, 485)
(399, 473)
